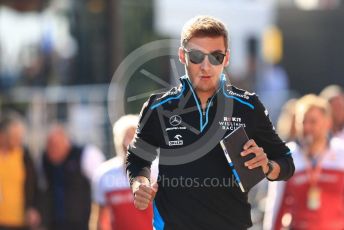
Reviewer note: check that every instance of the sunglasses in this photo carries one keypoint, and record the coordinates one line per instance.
(197, 56)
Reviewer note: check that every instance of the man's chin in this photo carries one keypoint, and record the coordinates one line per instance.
(206, 89)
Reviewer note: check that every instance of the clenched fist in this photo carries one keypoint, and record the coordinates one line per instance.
(143, 192)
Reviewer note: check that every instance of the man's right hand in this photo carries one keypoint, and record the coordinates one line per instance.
(143, 192)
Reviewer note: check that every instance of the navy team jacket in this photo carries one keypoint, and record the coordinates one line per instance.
(196, 189)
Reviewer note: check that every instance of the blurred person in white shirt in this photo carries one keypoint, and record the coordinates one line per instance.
(111, 189)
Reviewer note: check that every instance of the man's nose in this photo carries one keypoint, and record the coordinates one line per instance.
(205, 65)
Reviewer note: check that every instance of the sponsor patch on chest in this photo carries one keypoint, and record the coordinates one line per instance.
(177, 140)
(231, 123)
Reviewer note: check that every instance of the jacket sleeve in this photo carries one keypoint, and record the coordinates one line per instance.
(266, 137)
(143, 149)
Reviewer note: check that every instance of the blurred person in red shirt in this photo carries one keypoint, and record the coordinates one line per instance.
(18, 181)
(111, 189)
(313, 197)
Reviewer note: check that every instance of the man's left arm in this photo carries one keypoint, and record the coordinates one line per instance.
(271, 171)
(270, 150)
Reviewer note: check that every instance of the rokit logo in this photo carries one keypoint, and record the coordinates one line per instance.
(231, 123)
(177, 141)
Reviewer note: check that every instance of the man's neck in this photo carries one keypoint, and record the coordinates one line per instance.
(204, 96)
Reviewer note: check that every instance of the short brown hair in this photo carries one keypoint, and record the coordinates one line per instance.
(203, 26)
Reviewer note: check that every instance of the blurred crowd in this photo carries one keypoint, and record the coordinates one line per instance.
(52, 193)
(313, 125)
(69, 186)
(73, 187)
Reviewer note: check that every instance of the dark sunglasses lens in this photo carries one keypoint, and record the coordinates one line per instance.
(216, 58)
(196, 56)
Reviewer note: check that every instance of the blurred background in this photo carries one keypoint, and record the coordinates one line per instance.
(58, 57)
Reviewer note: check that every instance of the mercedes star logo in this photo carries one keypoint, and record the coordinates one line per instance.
(175, 120)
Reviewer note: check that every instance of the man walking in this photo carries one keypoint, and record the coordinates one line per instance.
(185, 126)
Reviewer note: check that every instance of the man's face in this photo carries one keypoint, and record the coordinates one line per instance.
(316, 125)
(204, 76)
(58, 146)
(15, 135)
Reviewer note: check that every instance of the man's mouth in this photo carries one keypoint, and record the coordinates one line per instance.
(206, 77)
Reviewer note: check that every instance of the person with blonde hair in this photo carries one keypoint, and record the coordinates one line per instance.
(123, 133)
(111, 190)
(286, 122)
(313, 197)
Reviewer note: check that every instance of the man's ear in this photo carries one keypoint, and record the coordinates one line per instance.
(181, 55)
(227, 58)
